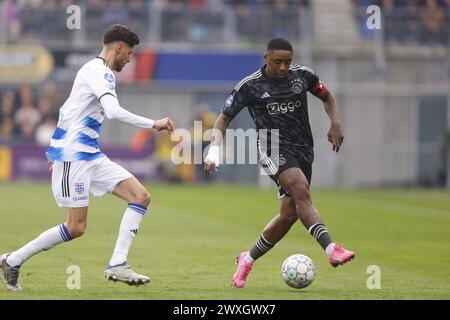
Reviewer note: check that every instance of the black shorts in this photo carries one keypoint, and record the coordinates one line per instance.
(274, 166)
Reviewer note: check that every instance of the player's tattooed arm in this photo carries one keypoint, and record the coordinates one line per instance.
(335, 135)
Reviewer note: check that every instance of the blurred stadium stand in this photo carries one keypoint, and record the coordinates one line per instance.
(392, 84)
(192, 21)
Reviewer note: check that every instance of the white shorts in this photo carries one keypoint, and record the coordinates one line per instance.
(72, 181)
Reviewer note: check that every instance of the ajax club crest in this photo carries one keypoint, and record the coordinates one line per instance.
(297, 86)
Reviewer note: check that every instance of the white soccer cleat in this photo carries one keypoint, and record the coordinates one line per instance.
(125, 274)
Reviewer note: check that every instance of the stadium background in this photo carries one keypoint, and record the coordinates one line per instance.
(392, 85)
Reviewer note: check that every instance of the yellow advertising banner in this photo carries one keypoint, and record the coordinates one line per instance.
(24, 63)
(5, 163)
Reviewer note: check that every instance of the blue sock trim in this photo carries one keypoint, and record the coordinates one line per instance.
(139, 208)
(64, 232)
(108, 266)
(61, 233)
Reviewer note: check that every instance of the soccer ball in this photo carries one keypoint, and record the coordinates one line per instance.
(298, 271)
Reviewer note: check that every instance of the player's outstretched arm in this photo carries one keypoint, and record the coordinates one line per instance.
(114, 111)
(335, 135)
(212, 158)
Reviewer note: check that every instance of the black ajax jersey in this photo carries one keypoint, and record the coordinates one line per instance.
(279, 104)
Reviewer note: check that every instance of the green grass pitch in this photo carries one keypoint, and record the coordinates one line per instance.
(188, 241)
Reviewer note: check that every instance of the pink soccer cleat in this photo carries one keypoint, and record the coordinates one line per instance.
(243, 269)
(340, 256)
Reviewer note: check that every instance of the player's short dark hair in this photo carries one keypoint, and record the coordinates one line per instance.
(279, 44)
(119, 32)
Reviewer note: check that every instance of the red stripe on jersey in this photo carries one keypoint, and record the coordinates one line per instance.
(319, 89)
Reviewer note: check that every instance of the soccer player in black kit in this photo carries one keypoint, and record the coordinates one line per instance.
(275, 96)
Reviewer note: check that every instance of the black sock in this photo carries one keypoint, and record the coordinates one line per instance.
(260, 248)
(320, 233)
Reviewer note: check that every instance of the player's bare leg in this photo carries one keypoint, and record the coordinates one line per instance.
(74, 227)
(296, 184)
(131, 190)
(272, 233)
(277, 228)
(138, 199)
(76, 221)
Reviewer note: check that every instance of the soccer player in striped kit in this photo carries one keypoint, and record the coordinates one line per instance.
(79, 166)
(275, 96)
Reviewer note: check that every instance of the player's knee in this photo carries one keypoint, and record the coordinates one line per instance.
(288, 220)
(300, 191)
(143, 198)
(76, 230)
(288, 216)
(291, 219)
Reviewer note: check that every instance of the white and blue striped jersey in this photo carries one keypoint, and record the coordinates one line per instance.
(82, 115)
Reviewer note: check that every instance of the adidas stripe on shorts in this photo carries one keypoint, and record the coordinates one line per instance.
(72, 181)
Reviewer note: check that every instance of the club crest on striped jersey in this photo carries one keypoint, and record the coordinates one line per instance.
(110, 81)
(79, 187)
(297, 85)
(109, 77)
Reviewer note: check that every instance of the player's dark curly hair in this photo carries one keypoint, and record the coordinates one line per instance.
(119, 32)
(279, 44)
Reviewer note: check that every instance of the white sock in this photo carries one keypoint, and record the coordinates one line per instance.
(330, 248)
(46, 240)
(127, 232)
(249, 258)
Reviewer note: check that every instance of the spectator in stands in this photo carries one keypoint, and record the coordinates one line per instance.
(174, 21)
(26, 130)
(446, 8)
(23, 122)
(30, 15)
(6, 128)
(45, 131)
(247, 27)
(50, 92)
(8, 104)
(138, 16)
(433, 21)
(392, 21)
(7, 115)
(115, 12)
(198, 21)
(409, 26)
(9, 19)
(93, 17)
(413, 21)
(27, 116)
(206, 21)
(45, 108)
(50, 12)
(180, 20)
(285, 20)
